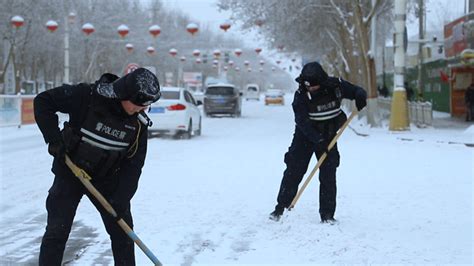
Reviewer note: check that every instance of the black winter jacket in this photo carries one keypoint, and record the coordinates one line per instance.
(75, 100)
(301, 105)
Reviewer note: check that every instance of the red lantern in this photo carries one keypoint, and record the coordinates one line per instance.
(237, 69)
(225, 26)
(154, 30)
(88, 28)
(273, 69)
(123, 30)
(246, 63)
(129, 47)
(173, 52)
(231, 63)
(259, 22)
(225, 68)
(278, 62)
(17, 21)
(249, 69)
(217, 53)
(198, 60)
(150, 50)
(192, 28)
(238, 52)
(196, 52)
(258, 50)
(182, 58)
(261, 69)
(262, 62)
(214, 66)
(52, 25)
(215, 62)
(293, 59)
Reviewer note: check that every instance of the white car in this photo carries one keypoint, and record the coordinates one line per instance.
(176, 113)
(252, 92)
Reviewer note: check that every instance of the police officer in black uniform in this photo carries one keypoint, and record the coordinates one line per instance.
(318, 116)
(106, 136)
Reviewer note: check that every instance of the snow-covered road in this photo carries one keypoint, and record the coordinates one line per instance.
(206, 200)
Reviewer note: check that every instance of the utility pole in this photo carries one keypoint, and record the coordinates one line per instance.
(399, 111)
(421, 35)
(69, 19)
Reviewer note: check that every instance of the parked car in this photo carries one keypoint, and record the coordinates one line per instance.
(252, 92)
(176, 113)
(222, 98)
(274, 96)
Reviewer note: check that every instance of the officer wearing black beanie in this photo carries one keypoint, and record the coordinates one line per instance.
(103, 136)
(318, 116)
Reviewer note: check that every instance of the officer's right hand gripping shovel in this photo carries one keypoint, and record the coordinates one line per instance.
(85, 180)
(321, 160)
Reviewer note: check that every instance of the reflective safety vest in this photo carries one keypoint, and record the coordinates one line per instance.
(103, 139)
(325, 111)
(325, 104)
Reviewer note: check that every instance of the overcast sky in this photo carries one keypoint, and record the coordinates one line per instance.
(205, 12)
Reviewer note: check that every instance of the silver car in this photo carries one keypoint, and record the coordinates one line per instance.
(222, 98)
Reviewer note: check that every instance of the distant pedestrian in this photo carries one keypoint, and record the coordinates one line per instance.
(105, 137)
(409, 91)
(318, 116)
(469, 98)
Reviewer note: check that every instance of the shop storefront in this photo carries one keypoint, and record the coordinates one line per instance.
(459, 51)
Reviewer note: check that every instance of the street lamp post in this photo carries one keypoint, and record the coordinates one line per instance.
(68, 20)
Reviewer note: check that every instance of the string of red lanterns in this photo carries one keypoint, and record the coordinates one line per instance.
(192, 28)
(225, 26)
(123, 30)
(154, 30)
(17, 21)
(51, 25)
(88, 28)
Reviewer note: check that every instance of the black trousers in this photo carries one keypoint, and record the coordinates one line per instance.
(61, 204)
(297, 159)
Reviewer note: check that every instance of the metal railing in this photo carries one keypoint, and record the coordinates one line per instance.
(419, 113)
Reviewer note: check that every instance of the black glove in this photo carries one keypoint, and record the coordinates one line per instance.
(361, 102)
(57, 149)
(322, 146)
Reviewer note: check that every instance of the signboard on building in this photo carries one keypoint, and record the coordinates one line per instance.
(459, 35)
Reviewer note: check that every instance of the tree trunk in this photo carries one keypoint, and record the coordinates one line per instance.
(368, 65)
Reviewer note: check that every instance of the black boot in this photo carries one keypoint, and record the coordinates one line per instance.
(276, 214)
(328, 218)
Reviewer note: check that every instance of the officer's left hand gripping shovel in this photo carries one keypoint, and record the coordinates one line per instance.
(85, 180)
(321, 160)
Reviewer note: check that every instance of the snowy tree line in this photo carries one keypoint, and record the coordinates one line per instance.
(336, 32)
(39, 54)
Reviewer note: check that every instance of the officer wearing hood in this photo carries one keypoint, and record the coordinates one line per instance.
(318, 116)
(105, 137)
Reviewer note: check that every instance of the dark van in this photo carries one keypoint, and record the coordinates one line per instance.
(221, 98)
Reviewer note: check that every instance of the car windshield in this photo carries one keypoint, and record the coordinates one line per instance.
(252, 89)
(170, 95)
(220, 91)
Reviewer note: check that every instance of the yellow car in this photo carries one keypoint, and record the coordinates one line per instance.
(274, 96)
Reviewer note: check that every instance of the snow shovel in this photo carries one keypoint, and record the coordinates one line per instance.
(321, 160)
(85, 180)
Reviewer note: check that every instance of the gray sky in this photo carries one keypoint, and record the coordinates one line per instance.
(205, 12)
